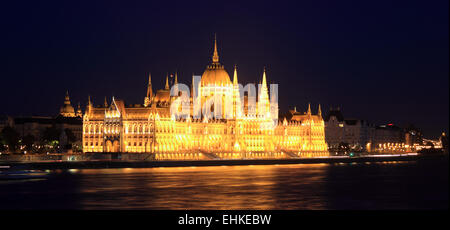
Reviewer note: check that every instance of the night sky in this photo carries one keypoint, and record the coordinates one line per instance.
(383, 61)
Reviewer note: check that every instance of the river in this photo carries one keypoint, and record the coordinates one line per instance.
(421, 184)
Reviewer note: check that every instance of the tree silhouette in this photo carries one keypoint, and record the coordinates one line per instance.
(2, 143)
(70, 136)
(28, 141)
(10, 137)
(50, 135)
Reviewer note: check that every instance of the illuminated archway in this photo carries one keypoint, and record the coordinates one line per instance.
(109, 146)
(116, 146)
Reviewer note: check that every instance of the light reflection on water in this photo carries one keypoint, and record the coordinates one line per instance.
(376, 185)
(217, 187)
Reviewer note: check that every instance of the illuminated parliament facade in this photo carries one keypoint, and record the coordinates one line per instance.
(247, 130)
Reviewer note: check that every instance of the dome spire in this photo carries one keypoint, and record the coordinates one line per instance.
(235, 80)
(264, 81)
(215, 57)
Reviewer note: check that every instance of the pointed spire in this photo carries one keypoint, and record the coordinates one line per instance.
(149, 87)
(106, 103)
(192, 85)
(235, 80)
(79, 112)
(89, 105)
(319, 112)
(148, 98)
(309, 109)
(167, 82)
(176, 82)
(264, 81)
(215, 57)
(149, 79)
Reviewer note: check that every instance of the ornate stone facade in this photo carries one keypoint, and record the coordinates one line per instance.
(245, 131)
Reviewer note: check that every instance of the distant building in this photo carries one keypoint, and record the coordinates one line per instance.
(354, 132)
(413, 136)
(444, 142)
(35, 125)
(334, 128)
(32, 125)
(388, 135)
(6, 121)
(67, 109)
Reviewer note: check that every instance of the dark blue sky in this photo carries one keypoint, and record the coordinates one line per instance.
(384, 61)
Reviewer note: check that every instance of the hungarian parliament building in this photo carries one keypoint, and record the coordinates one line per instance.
(246, 131)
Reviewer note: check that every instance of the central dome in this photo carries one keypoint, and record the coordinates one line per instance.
(215, 74)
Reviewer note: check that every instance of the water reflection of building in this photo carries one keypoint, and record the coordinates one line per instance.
(248, 132)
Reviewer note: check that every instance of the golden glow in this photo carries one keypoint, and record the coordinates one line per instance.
(150, 128)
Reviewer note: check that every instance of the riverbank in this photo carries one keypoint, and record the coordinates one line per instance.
(122, 163)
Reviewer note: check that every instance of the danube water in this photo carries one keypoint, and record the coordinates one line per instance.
(421, 184)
